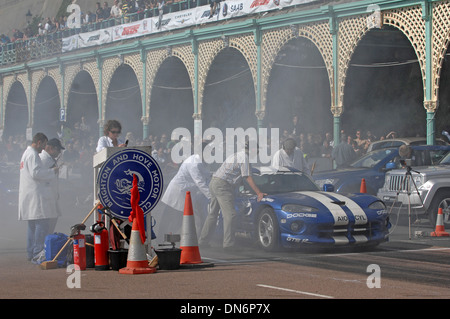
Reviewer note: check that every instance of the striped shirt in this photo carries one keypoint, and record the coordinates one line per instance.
(234, 167)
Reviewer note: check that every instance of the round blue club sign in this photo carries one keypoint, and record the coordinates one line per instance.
(115, 180)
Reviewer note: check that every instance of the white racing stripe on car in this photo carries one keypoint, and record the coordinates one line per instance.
(339, 215)
(357, 211)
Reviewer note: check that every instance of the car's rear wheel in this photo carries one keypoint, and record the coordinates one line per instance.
(267, 229)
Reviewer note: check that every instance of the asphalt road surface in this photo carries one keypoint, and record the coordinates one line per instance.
(406, 267)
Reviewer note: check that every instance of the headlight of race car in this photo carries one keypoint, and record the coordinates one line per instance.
(294, 208)
(378, 205)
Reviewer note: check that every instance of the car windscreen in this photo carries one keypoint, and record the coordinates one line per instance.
(445, 160)
(283, 183)
(371, 159)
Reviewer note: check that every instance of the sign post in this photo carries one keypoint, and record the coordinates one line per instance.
(114, 168)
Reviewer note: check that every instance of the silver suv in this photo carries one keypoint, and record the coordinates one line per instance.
(426, 188)
(397, 142)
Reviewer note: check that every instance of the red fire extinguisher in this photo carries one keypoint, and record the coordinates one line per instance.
(79, 251)
(101, 246)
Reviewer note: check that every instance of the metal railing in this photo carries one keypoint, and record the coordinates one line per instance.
(49, 44)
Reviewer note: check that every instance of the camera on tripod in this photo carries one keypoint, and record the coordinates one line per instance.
(407, 182)
(406, 163)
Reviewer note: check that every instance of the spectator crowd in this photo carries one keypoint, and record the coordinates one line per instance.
(80, 142)
(119, 11)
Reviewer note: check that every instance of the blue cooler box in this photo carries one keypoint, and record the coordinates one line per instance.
(53, 243)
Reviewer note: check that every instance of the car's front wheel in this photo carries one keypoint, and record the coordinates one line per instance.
(267, 229)
(440, 200)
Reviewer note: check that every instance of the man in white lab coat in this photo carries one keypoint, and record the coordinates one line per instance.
(35, 195)
(49, 157)
(193, 175)
(290, 156)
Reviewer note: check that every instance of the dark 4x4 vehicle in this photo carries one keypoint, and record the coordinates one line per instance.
(373, 167)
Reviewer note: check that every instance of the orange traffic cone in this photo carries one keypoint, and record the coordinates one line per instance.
(440, 229)
(137, 262)
(190, 254)
(363, 188)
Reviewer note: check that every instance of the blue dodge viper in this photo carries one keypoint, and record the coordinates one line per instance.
(296, 212)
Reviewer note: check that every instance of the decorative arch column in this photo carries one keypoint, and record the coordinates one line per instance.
(274, 40)
(145, 122)
(138, 64)
(440, 38)
(153, 61)
(6, 84)
(109, 66)
(101, 117)
(35, 79)
(416, 24)
(144, 118)
(208, 50)
(2, 109)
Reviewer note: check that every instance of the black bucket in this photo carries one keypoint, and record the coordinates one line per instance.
(169, 258)
(118, 258)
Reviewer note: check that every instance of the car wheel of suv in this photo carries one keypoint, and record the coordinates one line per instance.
(440, 200)
(267, 229)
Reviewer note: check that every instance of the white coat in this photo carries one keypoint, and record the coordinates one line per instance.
(191, 175)
(34, 189)
(296, 160)
(106, 141)
(49, 162)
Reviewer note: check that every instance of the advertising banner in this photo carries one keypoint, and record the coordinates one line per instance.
(89, 39)
(131, 30)
(70, 43)
(175, 20)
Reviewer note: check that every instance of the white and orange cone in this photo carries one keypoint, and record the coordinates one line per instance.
(190, 253)
(137, 262)
(440, 229)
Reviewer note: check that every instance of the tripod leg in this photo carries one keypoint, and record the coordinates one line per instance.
(409, 216)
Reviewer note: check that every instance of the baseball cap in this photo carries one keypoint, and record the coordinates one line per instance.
(55, 143)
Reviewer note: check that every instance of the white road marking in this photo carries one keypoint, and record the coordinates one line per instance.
(295, 291)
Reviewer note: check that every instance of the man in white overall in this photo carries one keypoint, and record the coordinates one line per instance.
(49, 158)
(35, 195)
(193, 175)
(290, 156)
